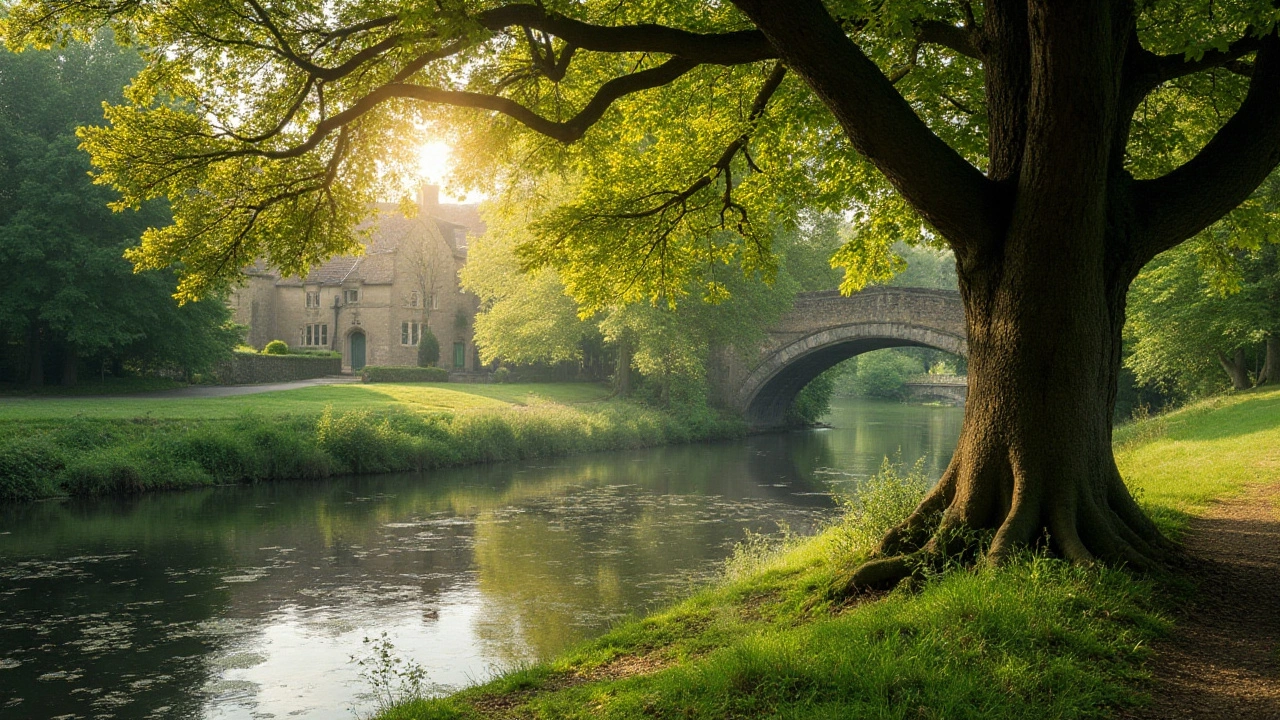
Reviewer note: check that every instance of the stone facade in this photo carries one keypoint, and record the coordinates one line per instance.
(825, 328)
(375, 304)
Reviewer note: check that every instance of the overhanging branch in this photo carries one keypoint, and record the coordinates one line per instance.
(1224, 173)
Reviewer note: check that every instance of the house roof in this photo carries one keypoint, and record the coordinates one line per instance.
(391, 231)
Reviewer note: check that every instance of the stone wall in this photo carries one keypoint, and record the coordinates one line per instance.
(822, 329)
(248, 369)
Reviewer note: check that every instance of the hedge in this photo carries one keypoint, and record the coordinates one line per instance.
(403, 373)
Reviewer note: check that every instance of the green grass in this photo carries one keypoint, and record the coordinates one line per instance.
(120, 445)
(382, 397)
(1037, 638)
(1180, 462)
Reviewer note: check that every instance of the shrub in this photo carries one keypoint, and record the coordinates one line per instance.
(363, 443)
(428, 349)
(276, 347)
(27, 468)
(403, 373)
(502, 375)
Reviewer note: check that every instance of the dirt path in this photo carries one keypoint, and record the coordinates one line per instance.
(1224, 658)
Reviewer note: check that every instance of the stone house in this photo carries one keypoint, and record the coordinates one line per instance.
(373, 308)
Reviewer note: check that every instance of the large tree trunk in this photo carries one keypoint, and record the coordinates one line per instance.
(1270, 373)
(1034, 463)
(1236, 369)
(1044, 310)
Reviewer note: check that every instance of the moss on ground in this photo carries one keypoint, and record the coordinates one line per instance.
(1037, 638)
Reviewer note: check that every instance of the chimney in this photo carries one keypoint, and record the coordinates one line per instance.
(428, 199)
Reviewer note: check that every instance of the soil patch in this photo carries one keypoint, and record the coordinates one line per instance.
(1222, 661)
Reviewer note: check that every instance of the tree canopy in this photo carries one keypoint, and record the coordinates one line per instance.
(270, 127)
(69, 292)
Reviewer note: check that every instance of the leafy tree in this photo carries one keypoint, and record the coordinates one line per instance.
(428, 348)
(70, 295)
(1189, 335)
(1055, 147)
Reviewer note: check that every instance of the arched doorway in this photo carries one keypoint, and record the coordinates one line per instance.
(356, 350)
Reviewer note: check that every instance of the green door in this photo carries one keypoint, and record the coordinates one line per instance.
(357, 351)
(459, 355)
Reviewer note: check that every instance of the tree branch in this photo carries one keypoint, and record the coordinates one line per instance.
(942, 186)
(1224, 173)
(959, 39)
(1145, 71)
(731, 48)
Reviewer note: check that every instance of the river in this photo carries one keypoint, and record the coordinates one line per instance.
(251, 602)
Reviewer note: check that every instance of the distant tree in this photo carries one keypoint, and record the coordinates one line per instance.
(70, 296)
(1192, 331)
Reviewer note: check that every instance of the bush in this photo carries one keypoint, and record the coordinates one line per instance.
(276, 347)
(884, 374)
(428, 349)
(403, 373)
(27, 468)
(502, 375)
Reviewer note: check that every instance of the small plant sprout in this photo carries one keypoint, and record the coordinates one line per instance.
(392, 680)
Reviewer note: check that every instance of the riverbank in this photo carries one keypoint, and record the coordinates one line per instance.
(1038, 638)
(101, 446)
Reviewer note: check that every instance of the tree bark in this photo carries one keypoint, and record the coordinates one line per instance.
(1270, 373)
(35, 356)
(1236, 369)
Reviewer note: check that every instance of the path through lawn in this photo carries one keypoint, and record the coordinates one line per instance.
(1221, 661)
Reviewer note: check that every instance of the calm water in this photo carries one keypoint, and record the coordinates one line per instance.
(251, 602)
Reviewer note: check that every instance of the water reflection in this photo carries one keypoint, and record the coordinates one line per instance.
(250, 602)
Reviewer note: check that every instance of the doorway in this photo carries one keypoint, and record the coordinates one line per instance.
(356, 340)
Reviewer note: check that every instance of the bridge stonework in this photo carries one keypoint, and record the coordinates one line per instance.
(823, 329)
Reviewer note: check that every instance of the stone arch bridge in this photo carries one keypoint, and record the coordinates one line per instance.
(824, 328)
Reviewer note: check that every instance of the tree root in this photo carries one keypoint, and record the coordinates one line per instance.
(1087, 528)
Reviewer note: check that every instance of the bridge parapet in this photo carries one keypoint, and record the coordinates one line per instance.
(824, 328)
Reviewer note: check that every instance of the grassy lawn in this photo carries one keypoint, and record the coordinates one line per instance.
(102, 446)
(1035, 639)
(407, 397)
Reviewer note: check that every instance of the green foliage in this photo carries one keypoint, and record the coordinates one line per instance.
(403, 373)
(529, 317)
(67, 282)
(879, 503)
(814, 400)
(880, 374)
(428, 348)
(502, 375)
(1181, 320)
(276, 347)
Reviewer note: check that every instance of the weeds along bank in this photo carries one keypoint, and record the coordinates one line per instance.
(49, 458)
(1036, 638)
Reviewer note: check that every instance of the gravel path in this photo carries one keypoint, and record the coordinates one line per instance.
(1223, 660)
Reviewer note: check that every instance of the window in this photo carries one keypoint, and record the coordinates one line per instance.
(316, 334)
(435, 302)
(413, 299)
(410, 333)
(351, 295)
(313, 299)
(459, 355)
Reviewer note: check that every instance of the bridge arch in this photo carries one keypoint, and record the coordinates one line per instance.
(824, 329)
